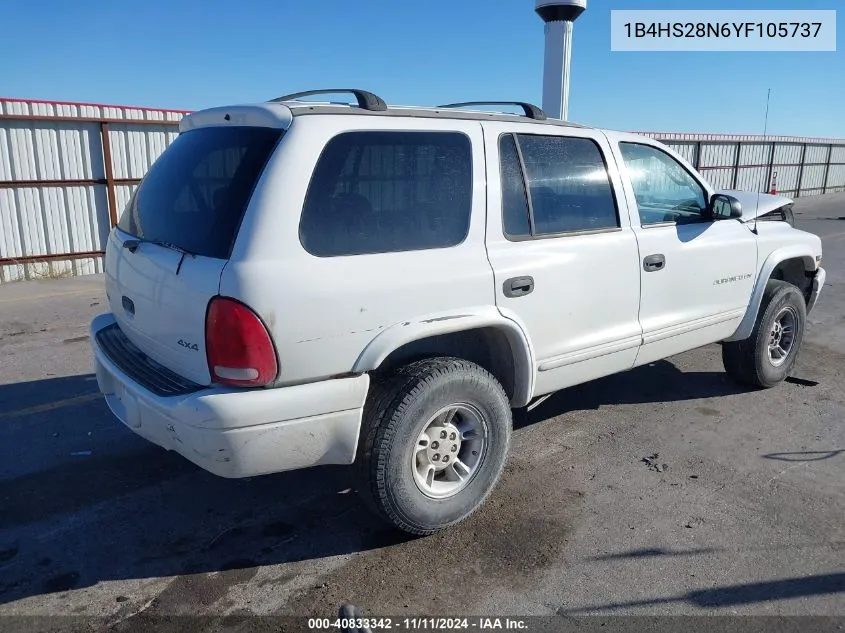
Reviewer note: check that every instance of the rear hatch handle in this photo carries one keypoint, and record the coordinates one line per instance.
(133, 244)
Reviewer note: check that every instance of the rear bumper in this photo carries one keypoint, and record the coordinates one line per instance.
(238, 433)
(818, 283)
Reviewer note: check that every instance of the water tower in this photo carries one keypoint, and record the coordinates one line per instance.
(559, 15)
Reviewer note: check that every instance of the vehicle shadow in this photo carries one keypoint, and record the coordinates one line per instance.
(83, 500)
(660, 381)
(654, 552)
(735, 595)
(662, 552)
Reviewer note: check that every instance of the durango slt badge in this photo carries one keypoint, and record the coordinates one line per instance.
(730, 280)
(187, 345)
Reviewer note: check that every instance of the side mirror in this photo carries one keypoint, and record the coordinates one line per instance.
(724, 207)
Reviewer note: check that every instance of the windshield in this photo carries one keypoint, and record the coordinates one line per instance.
(195, 194)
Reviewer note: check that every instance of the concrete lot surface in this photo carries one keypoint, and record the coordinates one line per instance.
(746, 517)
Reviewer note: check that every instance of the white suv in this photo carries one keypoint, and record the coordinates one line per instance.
(298, 283)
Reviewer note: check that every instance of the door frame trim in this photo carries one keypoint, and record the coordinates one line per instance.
(689, 326)
(589, 353)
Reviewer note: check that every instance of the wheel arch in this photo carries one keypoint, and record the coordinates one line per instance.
(485, 336)
(794, 264)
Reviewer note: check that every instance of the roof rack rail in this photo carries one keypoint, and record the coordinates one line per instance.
(366, 100)
(531, 111)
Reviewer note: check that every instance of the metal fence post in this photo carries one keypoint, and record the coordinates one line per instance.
(827, 168)
(767, 185)
(698, 156)
(736, 165)
(109, 170)
(801, 169)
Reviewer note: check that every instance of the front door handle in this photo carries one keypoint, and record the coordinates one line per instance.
(518, 286)
(654, 263)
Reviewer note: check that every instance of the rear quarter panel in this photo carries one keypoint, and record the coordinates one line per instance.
(323, 311)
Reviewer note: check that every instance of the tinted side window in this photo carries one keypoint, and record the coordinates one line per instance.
(514, 202)
(665, 191)
(380, 192)
(569, 185)
(195, 194)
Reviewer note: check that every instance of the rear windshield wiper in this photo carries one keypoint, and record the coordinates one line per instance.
(133, 245)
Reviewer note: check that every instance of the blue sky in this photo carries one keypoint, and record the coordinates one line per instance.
(197, 53)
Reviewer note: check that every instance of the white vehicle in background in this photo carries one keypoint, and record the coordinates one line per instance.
(299, 283)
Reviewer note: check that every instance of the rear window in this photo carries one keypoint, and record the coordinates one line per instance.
(194, 196)
(381, 192)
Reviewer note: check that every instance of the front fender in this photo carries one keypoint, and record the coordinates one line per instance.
(796, 251)
(395, 336)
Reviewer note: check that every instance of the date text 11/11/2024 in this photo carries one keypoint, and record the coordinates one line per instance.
(417, 624)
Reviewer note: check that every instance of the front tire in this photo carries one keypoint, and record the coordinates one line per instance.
(767, 357)
(435, 440)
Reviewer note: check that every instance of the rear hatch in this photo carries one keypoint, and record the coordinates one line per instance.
(165, 257)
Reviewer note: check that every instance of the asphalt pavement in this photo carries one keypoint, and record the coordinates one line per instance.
(666, 490)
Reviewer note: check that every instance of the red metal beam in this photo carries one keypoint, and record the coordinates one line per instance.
(82, 119)
(677, 137)
(106, 141)
(764, 165)
(21, 184)
(93, 105)
(6, 261)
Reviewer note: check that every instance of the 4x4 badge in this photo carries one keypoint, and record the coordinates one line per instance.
(192, 346)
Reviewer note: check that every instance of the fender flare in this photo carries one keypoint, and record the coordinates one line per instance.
(404, 332)
(772, 261)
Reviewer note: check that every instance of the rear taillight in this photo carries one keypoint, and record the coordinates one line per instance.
(239, 348)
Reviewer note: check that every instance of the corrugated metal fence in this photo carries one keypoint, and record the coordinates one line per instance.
(793, 166)
(67, 170)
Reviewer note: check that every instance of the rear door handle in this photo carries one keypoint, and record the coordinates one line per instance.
(518, 286)
(654, 263)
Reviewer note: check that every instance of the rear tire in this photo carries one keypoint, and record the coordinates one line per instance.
(767, 357)
(435, 439)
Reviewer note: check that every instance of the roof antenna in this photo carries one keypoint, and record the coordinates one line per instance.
(765, 132)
